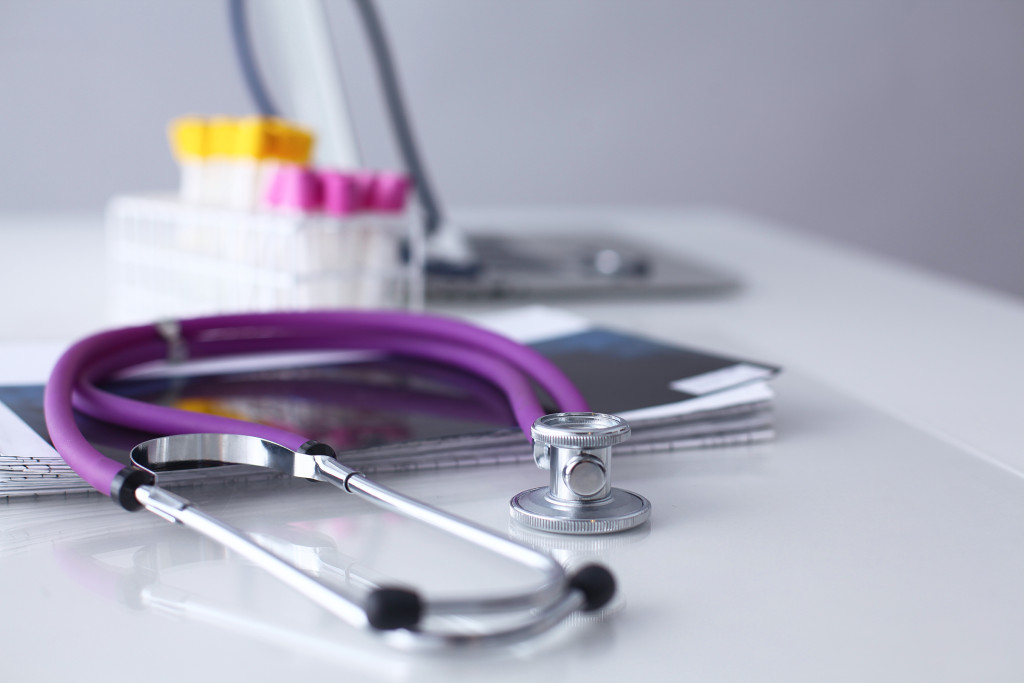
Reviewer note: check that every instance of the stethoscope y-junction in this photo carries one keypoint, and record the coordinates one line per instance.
(574, 444)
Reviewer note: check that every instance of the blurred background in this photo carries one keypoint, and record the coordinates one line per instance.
(892, 125)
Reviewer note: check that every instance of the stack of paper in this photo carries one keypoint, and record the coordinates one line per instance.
(386, 415)
(673, 397)
(28, 463)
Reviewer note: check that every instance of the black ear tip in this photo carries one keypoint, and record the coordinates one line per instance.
(597, 585)
(122, 489)
(391, 608)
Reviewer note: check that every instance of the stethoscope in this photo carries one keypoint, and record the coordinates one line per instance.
(575, 445)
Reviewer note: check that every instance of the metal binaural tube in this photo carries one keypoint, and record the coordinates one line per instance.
(550, 589)
(176, 509)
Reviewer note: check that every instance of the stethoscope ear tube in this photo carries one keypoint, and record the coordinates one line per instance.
(507, 364)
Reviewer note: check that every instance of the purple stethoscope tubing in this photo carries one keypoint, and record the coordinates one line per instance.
(507, 364)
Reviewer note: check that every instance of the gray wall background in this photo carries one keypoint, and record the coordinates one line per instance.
(896, 125)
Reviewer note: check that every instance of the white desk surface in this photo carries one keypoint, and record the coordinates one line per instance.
(878, 538)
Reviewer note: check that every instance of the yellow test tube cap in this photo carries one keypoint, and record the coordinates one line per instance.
(251, 137)
(254, 137)
(291, 143)
(223, 132)
(301, 145)
(189, 138)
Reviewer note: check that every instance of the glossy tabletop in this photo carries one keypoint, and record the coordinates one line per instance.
(877, 538)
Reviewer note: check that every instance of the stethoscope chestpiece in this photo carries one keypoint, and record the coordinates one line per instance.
(577, 449)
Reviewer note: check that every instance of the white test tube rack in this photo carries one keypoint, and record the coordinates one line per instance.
(169, 258)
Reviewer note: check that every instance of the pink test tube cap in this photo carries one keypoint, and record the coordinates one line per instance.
(341, 193)
(365, 182)
(390, 190)
(295, 187)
